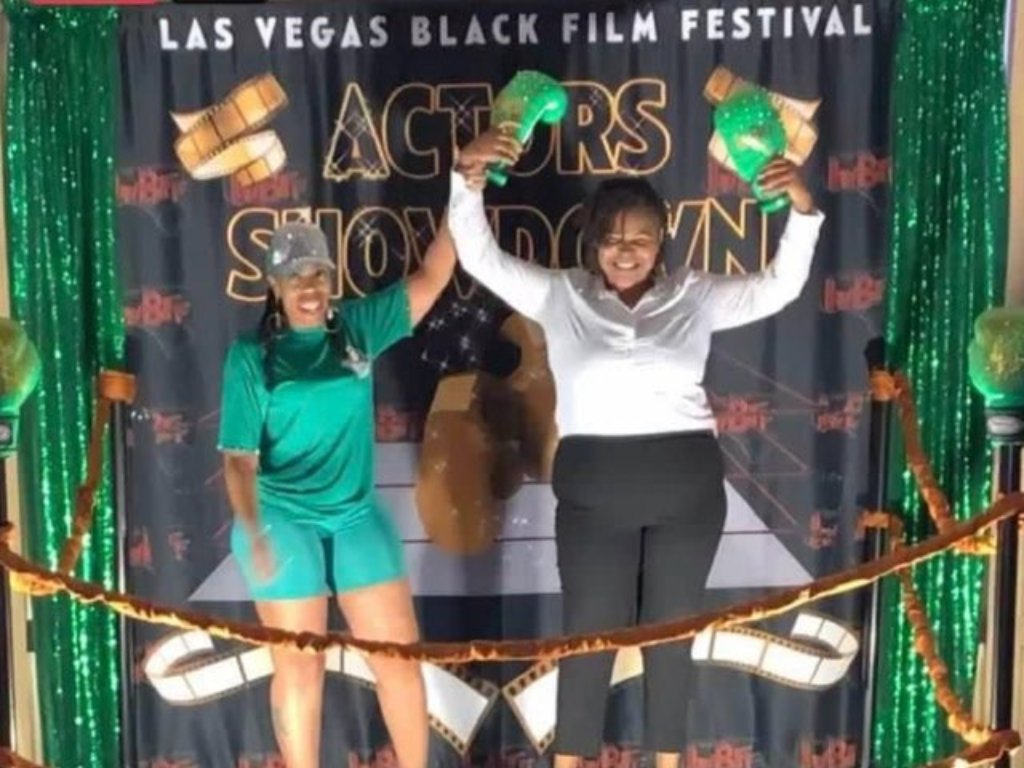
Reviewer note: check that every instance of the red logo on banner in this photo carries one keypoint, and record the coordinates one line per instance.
(615, 756)
(852, 294)
(738, 415)
(149, 186)
(839, 413)
(170, 427)
(383, 758)
(820, 534)
(831, 753)
(857, 172)
(272, 760)
(721, 754)
(140, 554)
(178, 542)
(395, 426)
(287, 186)
(722, 181)
(154, 309)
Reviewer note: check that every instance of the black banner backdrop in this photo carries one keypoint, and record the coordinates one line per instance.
(377, 97)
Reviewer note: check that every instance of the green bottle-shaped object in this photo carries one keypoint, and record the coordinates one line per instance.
(19, 374)
(995, 358)
(529, 98)
(753, 133)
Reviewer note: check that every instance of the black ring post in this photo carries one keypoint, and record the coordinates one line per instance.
(875, 542)
(118, 448)
(6, 660)
(1006, 431)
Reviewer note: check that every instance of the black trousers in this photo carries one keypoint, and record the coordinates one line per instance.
(638, 524)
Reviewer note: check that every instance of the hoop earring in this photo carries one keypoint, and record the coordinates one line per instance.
(332, 316)
(276, 322)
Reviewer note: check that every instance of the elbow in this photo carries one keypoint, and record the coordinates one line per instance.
(240, 466)
(789, 295)
(794, 292)
(789, 287)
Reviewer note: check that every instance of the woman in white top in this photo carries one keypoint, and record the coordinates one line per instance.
(638, 474)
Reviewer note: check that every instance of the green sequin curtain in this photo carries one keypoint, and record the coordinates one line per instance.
(60, 141)
(947, 264)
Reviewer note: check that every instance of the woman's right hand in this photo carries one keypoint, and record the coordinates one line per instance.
(492, 146)
(264, 562)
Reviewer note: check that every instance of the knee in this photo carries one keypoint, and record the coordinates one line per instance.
(302, 670)
(396, 672)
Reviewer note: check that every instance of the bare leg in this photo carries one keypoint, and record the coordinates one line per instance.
(385, 612)
(296, 690)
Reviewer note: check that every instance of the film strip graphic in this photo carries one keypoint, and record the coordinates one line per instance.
(816, 655)
(225, 139)
(186, 670)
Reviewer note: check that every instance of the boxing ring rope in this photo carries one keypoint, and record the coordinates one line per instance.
(970, 537)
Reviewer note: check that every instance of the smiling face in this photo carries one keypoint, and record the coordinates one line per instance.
(305, 296)
(628, 252)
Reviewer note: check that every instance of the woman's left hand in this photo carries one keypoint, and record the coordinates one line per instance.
(492, 146)
(781, 175)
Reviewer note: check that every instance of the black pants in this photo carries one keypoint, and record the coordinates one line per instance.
(638, 524)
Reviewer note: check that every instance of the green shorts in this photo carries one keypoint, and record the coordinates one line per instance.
(311, 563)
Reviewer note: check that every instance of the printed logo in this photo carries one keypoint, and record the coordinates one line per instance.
(150, 186)
(862, 171)
(738, 415)
(822, 531)
(154, 309)
(839, 413)
(829, 753)
(268, 760)
(285, 187)
(140, 553)
(857, 292)
(720, 754)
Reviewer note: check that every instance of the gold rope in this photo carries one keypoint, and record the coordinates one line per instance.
(9, 759)
(999, 744)
(30, 578)
(111, 386)
(886, 386)
(970, 537)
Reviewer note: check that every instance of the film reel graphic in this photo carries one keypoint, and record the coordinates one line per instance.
(228, 140)
(186, 670)
(816, 655)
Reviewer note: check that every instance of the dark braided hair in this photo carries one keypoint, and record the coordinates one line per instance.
(270, 330)
(604, 205)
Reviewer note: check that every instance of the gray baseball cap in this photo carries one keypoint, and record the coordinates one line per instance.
(294, 246)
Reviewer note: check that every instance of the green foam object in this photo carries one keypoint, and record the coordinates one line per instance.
(530, 98)
(20, 369)
(995, 357)
(754, 136)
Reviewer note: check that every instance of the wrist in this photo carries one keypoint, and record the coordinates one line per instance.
(458, 165)
(253, 527)
(802, 203)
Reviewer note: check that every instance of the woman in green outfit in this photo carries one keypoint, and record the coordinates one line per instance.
(297, 434)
